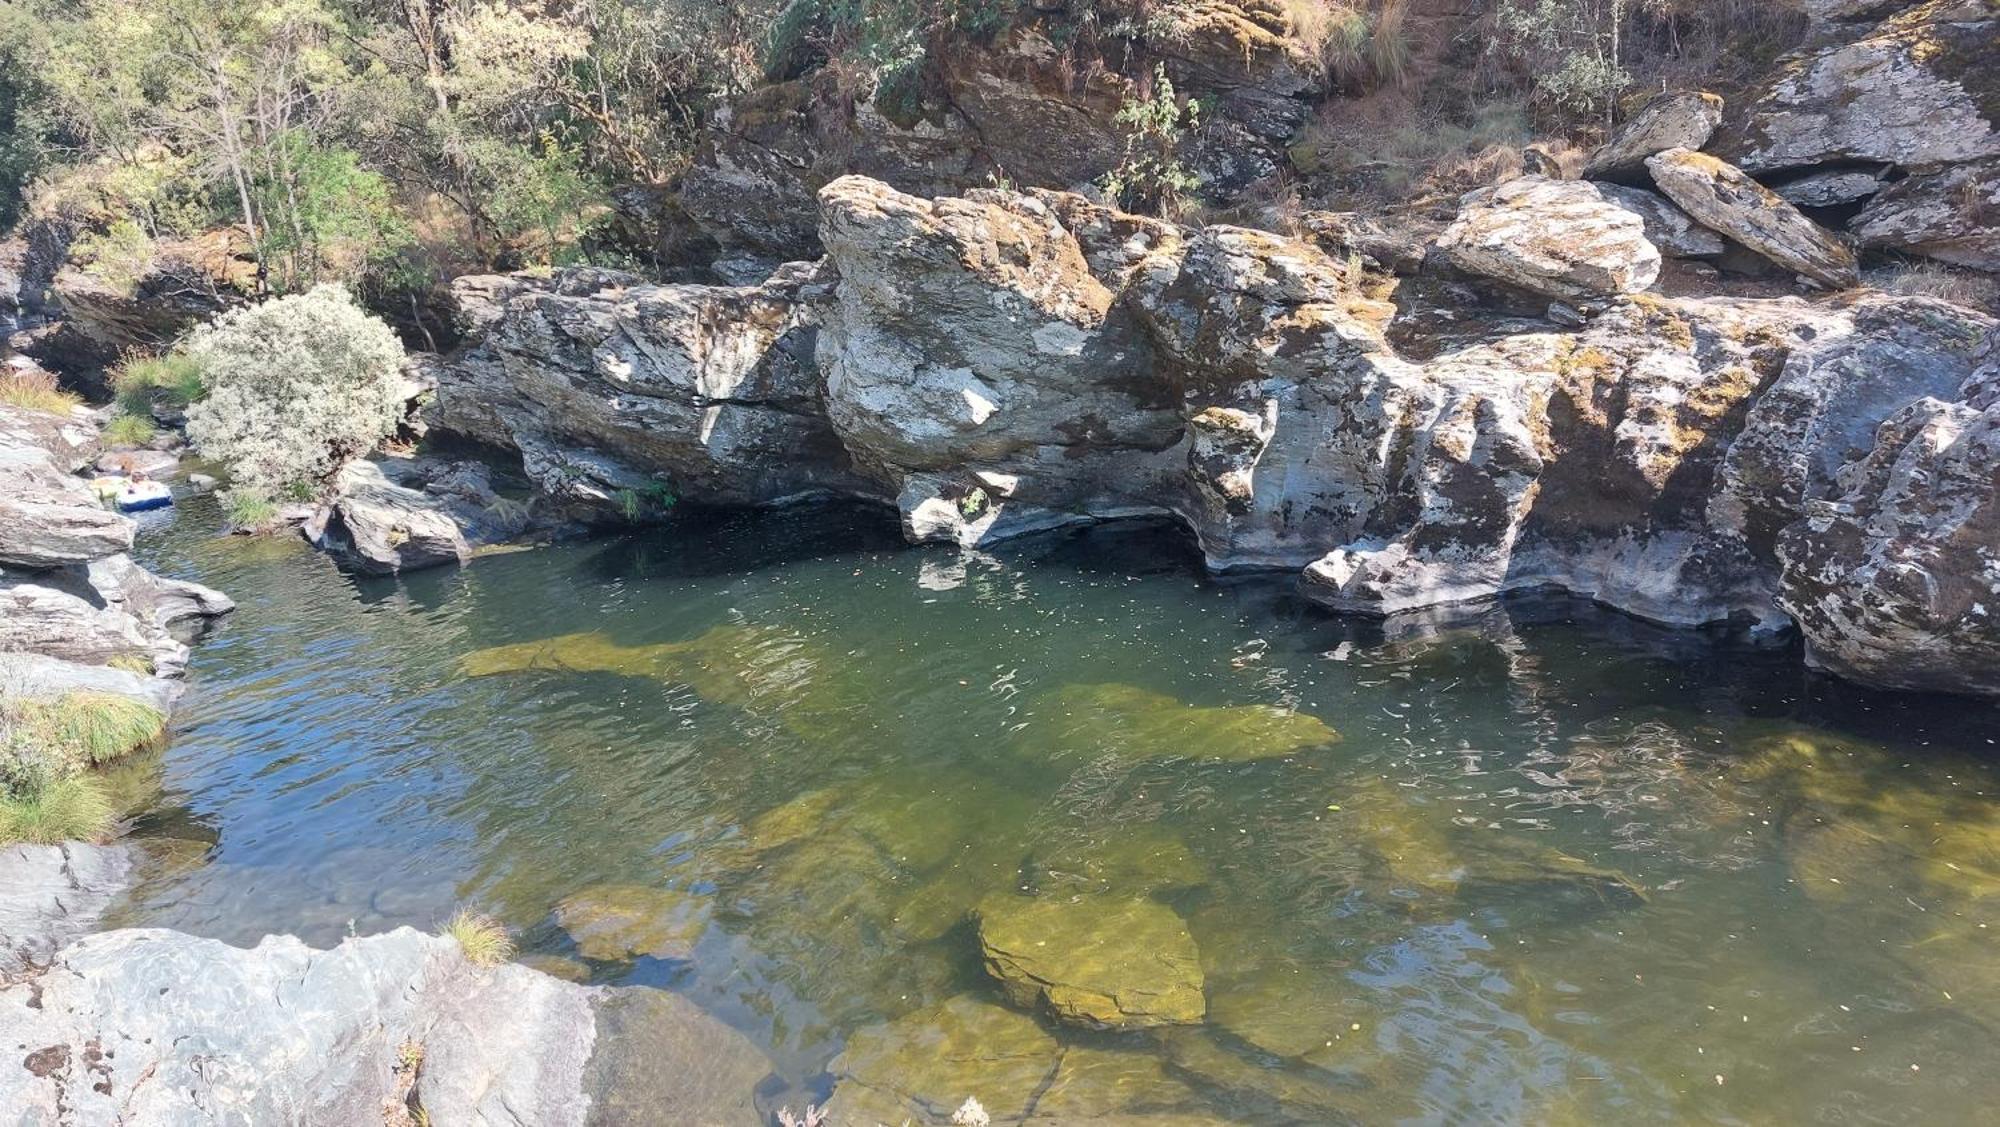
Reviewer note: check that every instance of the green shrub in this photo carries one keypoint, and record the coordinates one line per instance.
(297, 387)
(129, 430)
(172, 378)
(64, 810)
(481, 937)
(35, 390)
(1153, 176)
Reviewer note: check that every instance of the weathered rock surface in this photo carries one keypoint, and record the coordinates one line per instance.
(1952, 216)
(1830, 188)
(1098, 962)
(1675, 119)
(1895, 578)
(150, 1026)
(1722, 198)
(1915, 90)
(1559, 238)
(1667, 227)
(40, 677)
(1010, 361)
(380, 528)
(51, 894)
(711, 389)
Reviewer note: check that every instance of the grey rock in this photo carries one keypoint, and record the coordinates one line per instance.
(1830, 188)
(59, 614)
(377, 527)
(1895, 580)
(39, 677)
(48, 518)
(1720, 197)
(157, 1027)
(1557, 238)
(1913, 90)
(51, 894)
(1675, 119)
(1952, 216)
(1667, 226)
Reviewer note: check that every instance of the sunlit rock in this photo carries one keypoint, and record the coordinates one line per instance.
(1129, 722)
(1104, 962)
(921, 1066)
(616, 922)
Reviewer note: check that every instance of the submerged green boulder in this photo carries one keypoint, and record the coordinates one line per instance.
(920, 1067)
(1130, 859)
(618, 922)
(1101, 962)
(1132, 723)
(1294, 1013)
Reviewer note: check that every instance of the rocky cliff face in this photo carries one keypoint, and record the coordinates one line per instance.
(1008, 361)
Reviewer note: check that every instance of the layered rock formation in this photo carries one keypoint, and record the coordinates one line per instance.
(1008, 361)
(68, 590)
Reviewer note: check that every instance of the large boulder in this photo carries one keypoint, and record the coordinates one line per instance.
(708, 392)
(977, 359)
(49, 518)
(1914, 90)
(1895, 579)
(151, 1026)
(378, 527)
(1721, 197)
(1674, 119)
(1558, 238)
(1952, 216)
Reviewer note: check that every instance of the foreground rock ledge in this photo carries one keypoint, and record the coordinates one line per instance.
(156, 1027)
(1004, 362)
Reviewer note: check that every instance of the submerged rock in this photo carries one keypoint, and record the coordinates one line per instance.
(1101, 962)
(1129, 722)
(617, 922)
(920, 1067)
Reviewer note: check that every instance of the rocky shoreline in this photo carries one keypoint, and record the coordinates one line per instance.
(1006, 362)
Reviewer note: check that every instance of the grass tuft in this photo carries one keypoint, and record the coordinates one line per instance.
(65, 810)
(172, 378)
(481, 937)
(130, 430)
(248, 509)
(35, 390)
(86, 729)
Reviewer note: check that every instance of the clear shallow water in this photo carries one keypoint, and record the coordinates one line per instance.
(1557, 867)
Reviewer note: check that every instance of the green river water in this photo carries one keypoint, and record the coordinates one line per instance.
(1531, 863)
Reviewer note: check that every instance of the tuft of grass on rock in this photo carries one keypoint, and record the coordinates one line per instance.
(129, 430)
(87, 729)
(482, 938)
(248, 509)
(77, 809)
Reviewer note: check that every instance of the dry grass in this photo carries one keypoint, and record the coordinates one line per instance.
(1386, 146)
(34, 389)
(482, 938)
(82, 729)
(1923, 278)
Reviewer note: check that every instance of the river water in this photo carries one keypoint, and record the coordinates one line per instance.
(1533, 863)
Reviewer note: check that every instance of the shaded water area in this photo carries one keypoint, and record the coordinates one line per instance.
(1533, 863)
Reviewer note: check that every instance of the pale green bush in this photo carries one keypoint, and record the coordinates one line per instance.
(297, 387)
